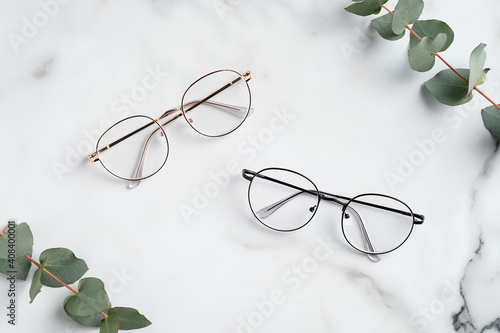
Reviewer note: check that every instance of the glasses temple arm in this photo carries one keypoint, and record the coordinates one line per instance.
(140, 163)
(94, 156)
(417, 218)
(249, 175)
(247, 76)
(269, 210)
(364, 234)
(236, 110)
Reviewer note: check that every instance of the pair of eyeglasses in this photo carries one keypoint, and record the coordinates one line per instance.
(285, 200)
(136, 148)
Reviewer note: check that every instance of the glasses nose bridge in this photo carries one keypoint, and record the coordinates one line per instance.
(333, 198)
(168, 112)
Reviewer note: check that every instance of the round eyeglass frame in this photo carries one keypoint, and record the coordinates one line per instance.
(411, 216)
(128, 118)
(318, 199)
(201, 78)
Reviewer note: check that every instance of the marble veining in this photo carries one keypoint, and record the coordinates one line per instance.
(43, 70)
(463, 321)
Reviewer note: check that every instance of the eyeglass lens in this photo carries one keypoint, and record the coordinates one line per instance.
(279, 206)
(135, 154)
(363, 223)
(217, 103)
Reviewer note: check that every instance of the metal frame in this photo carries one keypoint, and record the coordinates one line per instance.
(338, 199)
(181, 110)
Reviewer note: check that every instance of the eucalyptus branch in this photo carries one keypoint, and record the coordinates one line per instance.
(446, 63)
(51, 275)
(58, 267)
(427, 38)
(57, 279)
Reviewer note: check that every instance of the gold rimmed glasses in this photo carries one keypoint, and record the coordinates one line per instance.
(136, 148)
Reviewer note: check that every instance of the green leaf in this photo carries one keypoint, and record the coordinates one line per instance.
(406, 12)
(85, 308)
(62, 263)
(477, 60)
(366, 7)
(491, 120)
(431, 28)
(23, 245)
(449, 88)
(36, 285)
(423, 55)
(130, 319)
(383, 25)
(110, 324)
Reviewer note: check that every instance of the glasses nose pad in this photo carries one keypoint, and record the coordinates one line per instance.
(311, 212)
(347, 219)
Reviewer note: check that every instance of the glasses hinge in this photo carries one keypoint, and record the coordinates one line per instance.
(247, 76)
(93, 157)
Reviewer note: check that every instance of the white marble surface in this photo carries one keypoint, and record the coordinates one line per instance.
(354, 111)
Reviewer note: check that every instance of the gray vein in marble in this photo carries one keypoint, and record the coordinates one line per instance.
(43, 70)
(361, 278)
(463, 321)
(487, 166)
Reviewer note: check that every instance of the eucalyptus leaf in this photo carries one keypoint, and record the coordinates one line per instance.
(36, 285)
(431, 28)
(423, 55)
(85, 308)
(449, 88)
(406, 12)
(476, 62)
(63, 264)
(482, 79)
(491, 120)
(366, 7)
(129, 318)
(110, 324)
(383, 25)
(23, 245)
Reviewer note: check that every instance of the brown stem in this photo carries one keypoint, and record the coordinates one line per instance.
(58, 280)
(489, 99)
(390, 12)
(447, 64)
(451, 67)
(52, 275)
(413, 32)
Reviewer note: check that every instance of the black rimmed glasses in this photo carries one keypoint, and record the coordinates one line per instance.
(136, 148)
(285, 200)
